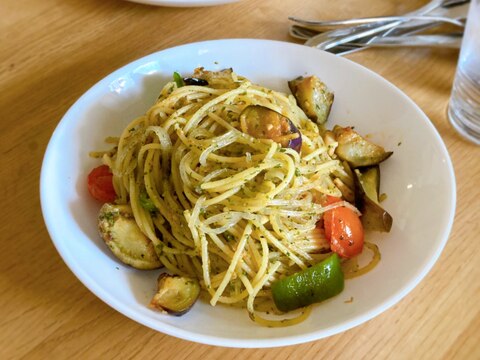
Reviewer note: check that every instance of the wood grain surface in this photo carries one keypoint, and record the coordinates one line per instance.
(52, 51)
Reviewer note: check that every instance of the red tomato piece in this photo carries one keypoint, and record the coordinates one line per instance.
(100, 184)
(343, 229)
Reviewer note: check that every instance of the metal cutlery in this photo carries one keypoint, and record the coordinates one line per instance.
(331, 25)
(385, 30)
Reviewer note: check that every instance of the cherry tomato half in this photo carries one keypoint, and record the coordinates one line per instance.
(100, 184)
(343, 229)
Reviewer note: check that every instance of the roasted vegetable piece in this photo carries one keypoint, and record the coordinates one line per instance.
(356, 150)
(264, 123)
(121, 233)
(313, 97)
(175, 294)
(315, 284)
(344, 230)
(368, 180)
(216, 79)
(374, 217)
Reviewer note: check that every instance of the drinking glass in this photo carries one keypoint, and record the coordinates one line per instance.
(464, 106)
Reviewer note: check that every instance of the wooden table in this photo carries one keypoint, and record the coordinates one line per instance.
(53, 51)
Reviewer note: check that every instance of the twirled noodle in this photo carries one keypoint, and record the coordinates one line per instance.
(234, 211)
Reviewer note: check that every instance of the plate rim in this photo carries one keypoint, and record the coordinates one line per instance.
(184, 3)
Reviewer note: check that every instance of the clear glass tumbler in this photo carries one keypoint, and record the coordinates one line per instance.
(464, 106)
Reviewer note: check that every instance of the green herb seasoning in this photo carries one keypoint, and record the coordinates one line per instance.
(146, 202)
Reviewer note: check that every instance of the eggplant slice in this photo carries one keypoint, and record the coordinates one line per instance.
(215, 79)
(175, 294)
(313, 97)
(122, 235)
(368, 180)
(264, 123)
(356, 150)
(374, 217)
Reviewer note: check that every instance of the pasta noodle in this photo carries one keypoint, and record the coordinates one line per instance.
(232, 210)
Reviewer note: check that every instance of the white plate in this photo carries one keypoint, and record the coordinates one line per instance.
(184, 3)
(418, 179)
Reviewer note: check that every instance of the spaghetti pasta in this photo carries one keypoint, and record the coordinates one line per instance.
(234, 211)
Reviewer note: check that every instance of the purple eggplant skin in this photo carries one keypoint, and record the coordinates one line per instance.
(313, 97)
(176, 294)
(356, 150)
(296, 143)
(264, 123)
(195, 81)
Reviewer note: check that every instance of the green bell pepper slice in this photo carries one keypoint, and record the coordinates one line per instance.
(314, 284)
